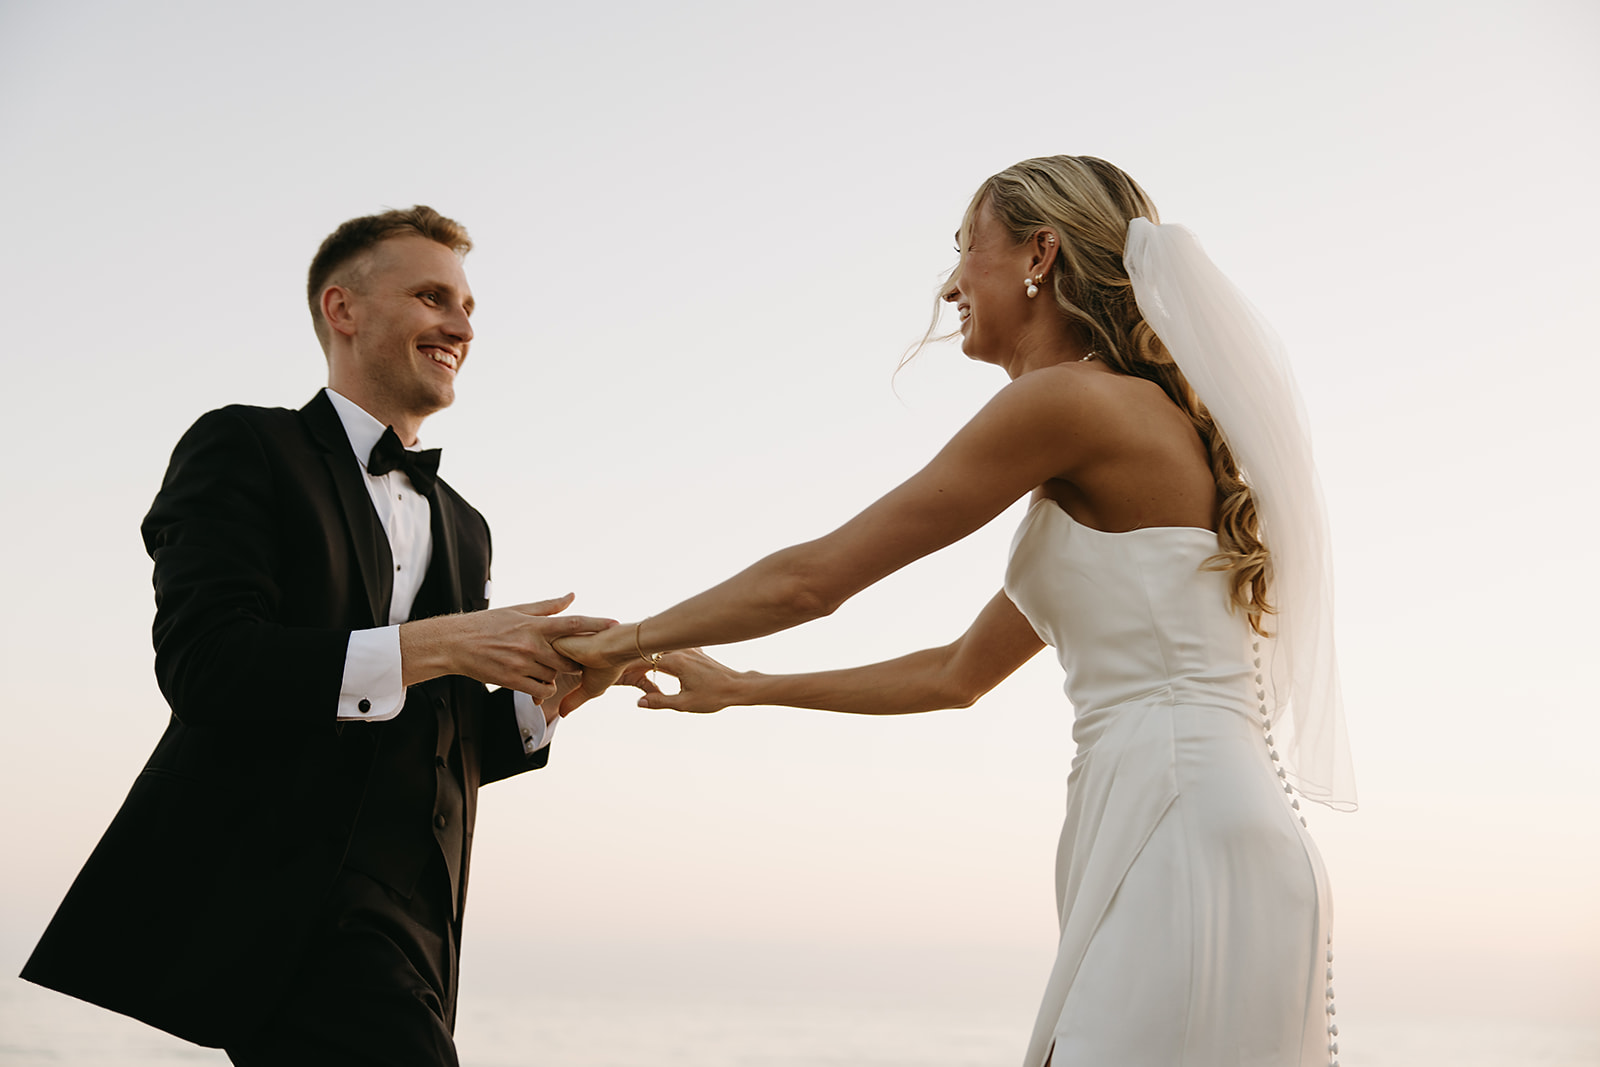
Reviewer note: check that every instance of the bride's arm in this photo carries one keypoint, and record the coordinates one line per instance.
(1037, 428)
(998, 642)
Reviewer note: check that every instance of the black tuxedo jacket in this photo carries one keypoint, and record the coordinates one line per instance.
(194, 908)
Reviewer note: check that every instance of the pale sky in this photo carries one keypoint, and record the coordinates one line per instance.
(706, 232)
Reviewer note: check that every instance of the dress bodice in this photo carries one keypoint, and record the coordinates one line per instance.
(1130, 614)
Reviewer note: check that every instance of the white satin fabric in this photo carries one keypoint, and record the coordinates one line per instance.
(1194, 910)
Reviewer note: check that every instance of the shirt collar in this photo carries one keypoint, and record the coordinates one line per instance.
(361, 428)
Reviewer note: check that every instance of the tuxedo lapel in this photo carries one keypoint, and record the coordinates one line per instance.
(370, 544)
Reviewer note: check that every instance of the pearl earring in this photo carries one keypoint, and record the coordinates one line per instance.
(1033, 290)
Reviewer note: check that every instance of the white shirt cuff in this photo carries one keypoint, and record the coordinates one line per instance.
(372, 689)
(536, 733)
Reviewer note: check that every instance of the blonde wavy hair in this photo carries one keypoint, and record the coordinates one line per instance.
(1087, 203)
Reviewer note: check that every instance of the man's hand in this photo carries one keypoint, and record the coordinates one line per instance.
(597, 680)
(509, 647)
(566, 682)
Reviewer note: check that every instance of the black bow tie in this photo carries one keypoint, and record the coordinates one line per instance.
(389, 454)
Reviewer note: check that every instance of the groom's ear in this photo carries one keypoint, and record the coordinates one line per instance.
(336, 309)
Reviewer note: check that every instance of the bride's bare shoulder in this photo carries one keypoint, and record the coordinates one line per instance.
(1087, 384)
(1092, 402)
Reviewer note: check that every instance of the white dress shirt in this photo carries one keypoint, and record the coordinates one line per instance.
(372, 674)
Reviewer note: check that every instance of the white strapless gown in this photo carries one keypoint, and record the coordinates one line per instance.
(1194, 907)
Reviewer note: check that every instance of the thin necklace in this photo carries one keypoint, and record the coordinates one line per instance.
(1087, 358)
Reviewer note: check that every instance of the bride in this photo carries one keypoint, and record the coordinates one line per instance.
(1174, 555)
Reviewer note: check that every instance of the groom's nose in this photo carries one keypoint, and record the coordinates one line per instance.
(458, 325)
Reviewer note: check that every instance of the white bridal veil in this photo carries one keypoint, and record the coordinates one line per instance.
(1238, 368)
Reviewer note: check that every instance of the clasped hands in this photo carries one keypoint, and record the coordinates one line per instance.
(562, 661)
(514, 648)
(616, 655)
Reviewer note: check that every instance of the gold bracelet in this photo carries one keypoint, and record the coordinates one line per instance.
(653, 658)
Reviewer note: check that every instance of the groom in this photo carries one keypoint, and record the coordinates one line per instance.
(287, 877)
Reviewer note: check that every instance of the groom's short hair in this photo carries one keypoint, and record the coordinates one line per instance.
(344, 247)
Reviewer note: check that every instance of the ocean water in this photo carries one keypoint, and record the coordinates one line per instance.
(41, 1029)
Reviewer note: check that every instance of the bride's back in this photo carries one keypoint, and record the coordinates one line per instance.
(1141, 462)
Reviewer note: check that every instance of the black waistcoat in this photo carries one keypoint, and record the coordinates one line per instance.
(414, 803)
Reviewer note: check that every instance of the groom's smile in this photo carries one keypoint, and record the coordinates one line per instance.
(445, 357)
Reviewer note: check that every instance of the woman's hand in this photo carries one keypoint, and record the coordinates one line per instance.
(704, 685)
(605, 650)
(608, 657)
